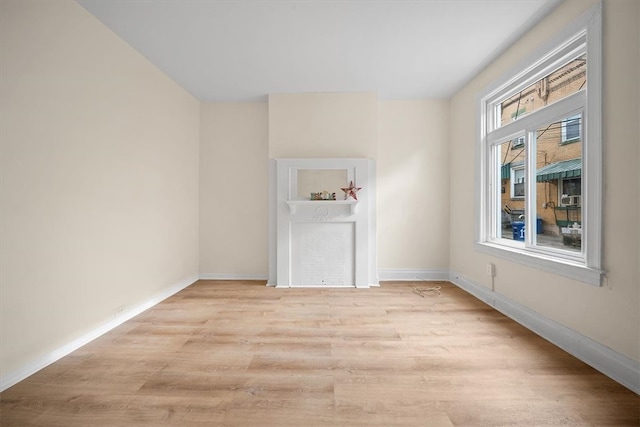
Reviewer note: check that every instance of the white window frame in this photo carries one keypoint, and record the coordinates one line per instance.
(583, 35)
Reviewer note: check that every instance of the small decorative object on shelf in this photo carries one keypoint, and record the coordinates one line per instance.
(323, 195)
(351, 191)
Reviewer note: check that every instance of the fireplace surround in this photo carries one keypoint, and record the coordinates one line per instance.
(322, 243)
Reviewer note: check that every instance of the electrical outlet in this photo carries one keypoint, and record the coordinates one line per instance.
(491, 270)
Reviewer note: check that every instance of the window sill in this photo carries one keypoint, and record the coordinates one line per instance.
(569, 141)
(566, 268)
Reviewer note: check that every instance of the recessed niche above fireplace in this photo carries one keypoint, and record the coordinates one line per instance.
(316, 237)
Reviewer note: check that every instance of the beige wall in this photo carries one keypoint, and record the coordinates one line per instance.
(408, 138)
(99, 179)
(413, 185)
(609, 314)
(234, 187)
(323, 125)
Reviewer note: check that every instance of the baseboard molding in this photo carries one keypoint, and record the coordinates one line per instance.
(400, 275)
(224, 276)
(616, 366)
(12, 378)
(403, 275)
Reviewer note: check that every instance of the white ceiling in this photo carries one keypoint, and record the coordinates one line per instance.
(245, 49)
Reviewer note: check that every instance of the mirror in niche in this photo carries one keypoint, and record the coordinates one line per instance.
(319, 180)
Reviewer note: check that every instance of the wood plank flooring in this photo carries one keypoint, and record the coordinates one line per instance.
(242, 354)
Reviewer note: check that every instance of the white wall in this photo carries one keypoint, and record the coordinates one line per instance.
(99, 180)
(234, 186)
(609, 314)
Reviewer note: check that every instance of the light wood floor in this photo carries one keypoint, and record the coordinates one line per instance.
(241, 354)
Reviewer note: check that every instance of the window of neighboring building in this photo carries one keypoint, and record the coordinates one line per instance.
(555, 174)
(571, 129)
(570, 192)
(517, 143)
(517, 182)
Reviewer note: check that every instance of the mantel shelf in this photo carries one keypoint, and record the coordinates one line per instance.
(293, 204)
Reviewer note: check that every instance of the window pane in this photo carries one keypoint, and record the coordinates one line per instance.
(562, 82)
(518, 183)
(512, 188)
(559, 187)
(571, 129)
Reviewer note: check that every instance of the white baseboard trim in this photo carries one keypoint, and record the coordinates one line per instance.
(403, 275)
(615, 365)
(224, 276)
(30, 368)
(399, 275)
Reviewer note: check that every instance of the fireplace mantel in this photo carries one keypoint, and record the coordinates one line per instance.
(320, 243)
(293, 204)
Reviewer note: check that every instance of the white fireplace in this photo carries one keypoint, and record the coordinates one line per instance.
(322, 243)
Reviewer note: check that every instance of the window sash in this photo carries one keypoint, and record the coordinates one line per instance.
(563, 108)
(556, 111)
(573, 47)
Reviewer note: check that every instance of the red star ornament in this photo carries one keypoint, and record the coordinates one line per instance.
(351, 191)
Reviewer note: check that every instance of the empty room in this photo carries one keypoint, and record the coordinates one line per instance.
(354, 213)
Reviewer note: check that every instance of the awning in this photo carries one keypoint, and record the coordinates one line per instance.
(560, 170)
(505, 170)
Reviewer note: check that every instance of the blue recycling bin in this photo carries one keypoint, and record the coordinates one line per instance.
(539, 227)
(518, 230)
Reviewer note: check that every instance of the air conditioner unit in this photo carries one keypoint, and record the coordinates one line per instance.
(570, 200)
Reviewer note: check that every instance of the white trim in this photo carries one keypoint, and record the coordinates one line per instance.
(555, 111)
(273, 217)
(524, 68)
(391, 274)
(593, 150)
(615, 365)
(556, 265)
(225, 276)
(405, 275)
(9, 379)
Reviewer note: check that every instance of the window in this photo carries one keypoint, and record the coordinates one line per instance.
(517, 143)
(571, 129)
(540, 137)
(517, 182)
(570, 191)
